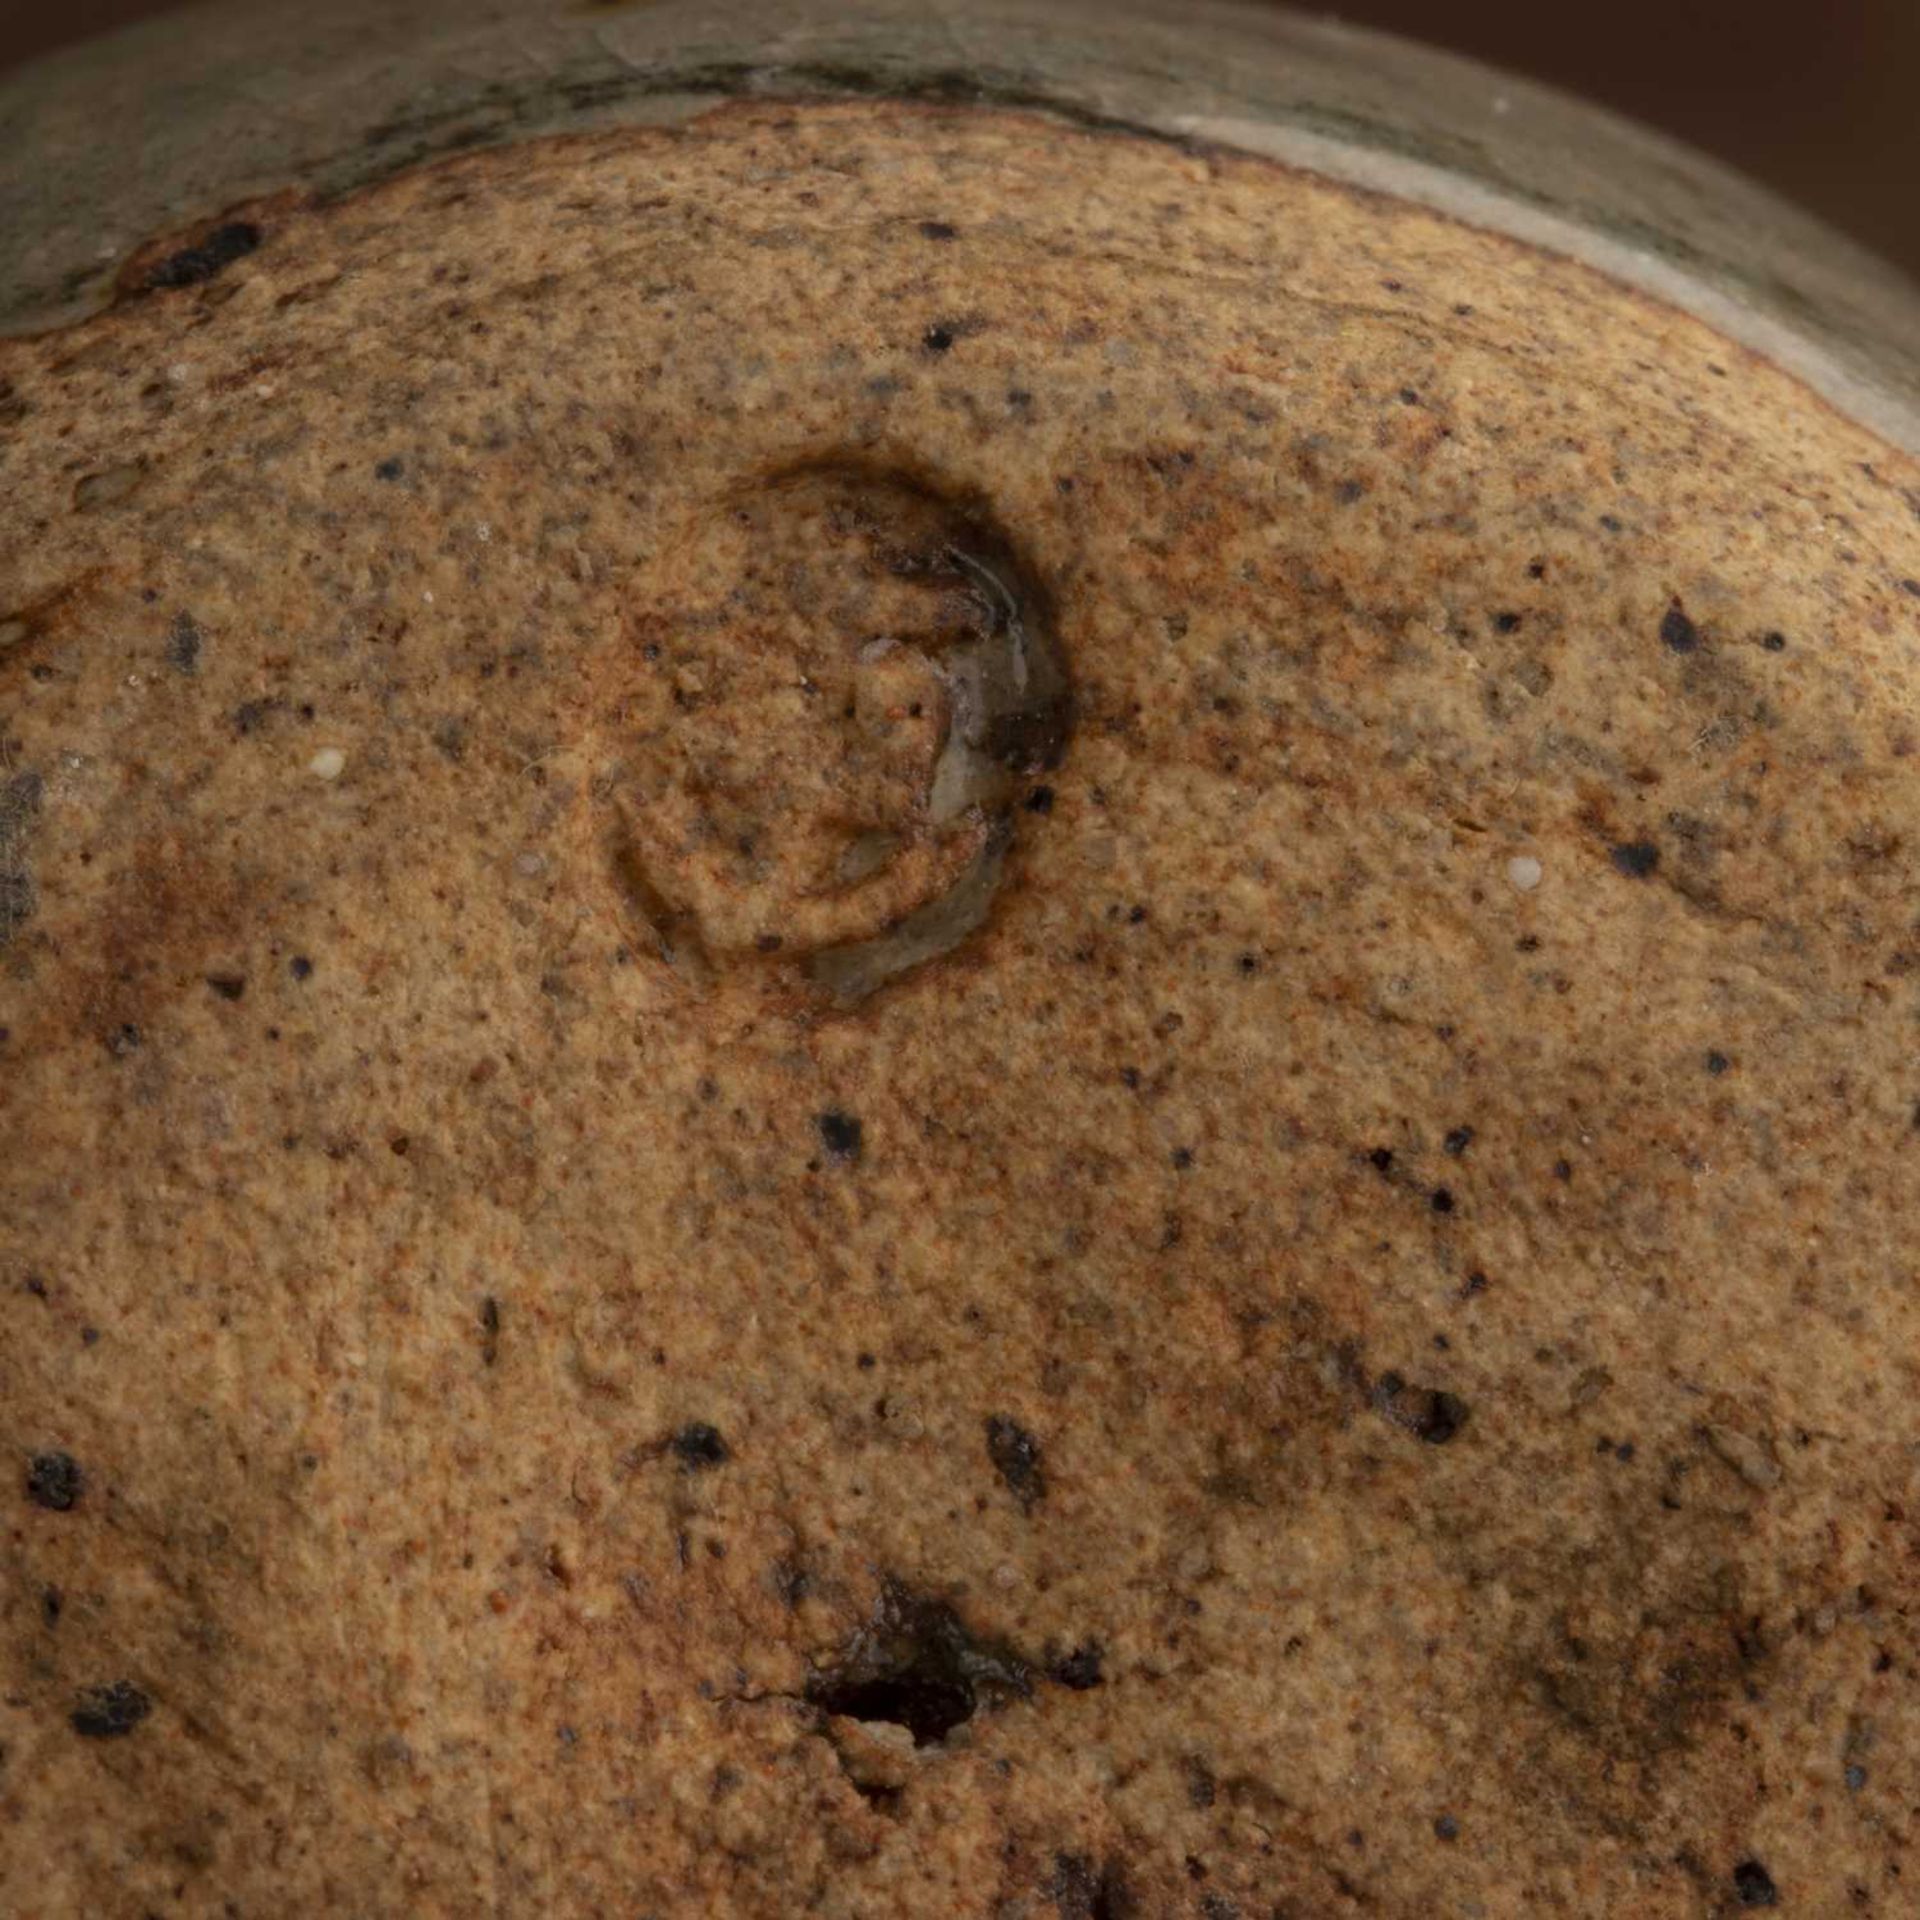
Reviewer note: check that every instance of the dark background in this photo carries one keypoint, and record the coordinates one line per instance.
(1818, 98)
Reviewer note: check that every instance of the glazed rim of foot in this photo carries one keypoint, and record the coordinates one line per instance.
(903, 1012)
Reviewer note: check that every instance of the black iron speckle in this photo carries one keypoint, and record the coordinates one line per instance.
(183, 644)
(193, 265)
(1079, 1669)
(1458, 1141)
(1015, 1454)
(1677, 631)
(108, 1713)
(937, 339)
(1427, 1413)
(21, 799)
(54, 1481)
(1082, 1891)
(936, 230)
(841, 1134)
(1753, 1885)
(698, 1446)
(1635, 858)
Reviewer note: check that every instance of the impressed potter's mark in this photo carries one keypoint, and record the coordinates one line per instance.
(847, 680)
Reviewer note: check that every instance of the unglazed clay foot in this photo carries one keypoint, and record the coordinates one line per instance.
(953, 962)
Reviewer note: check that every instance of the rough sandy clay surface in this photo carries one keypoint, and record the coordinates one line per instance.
(904, 1015)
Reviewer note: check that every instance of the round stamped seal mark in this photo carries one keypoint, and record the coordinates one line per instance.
(850, 681)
